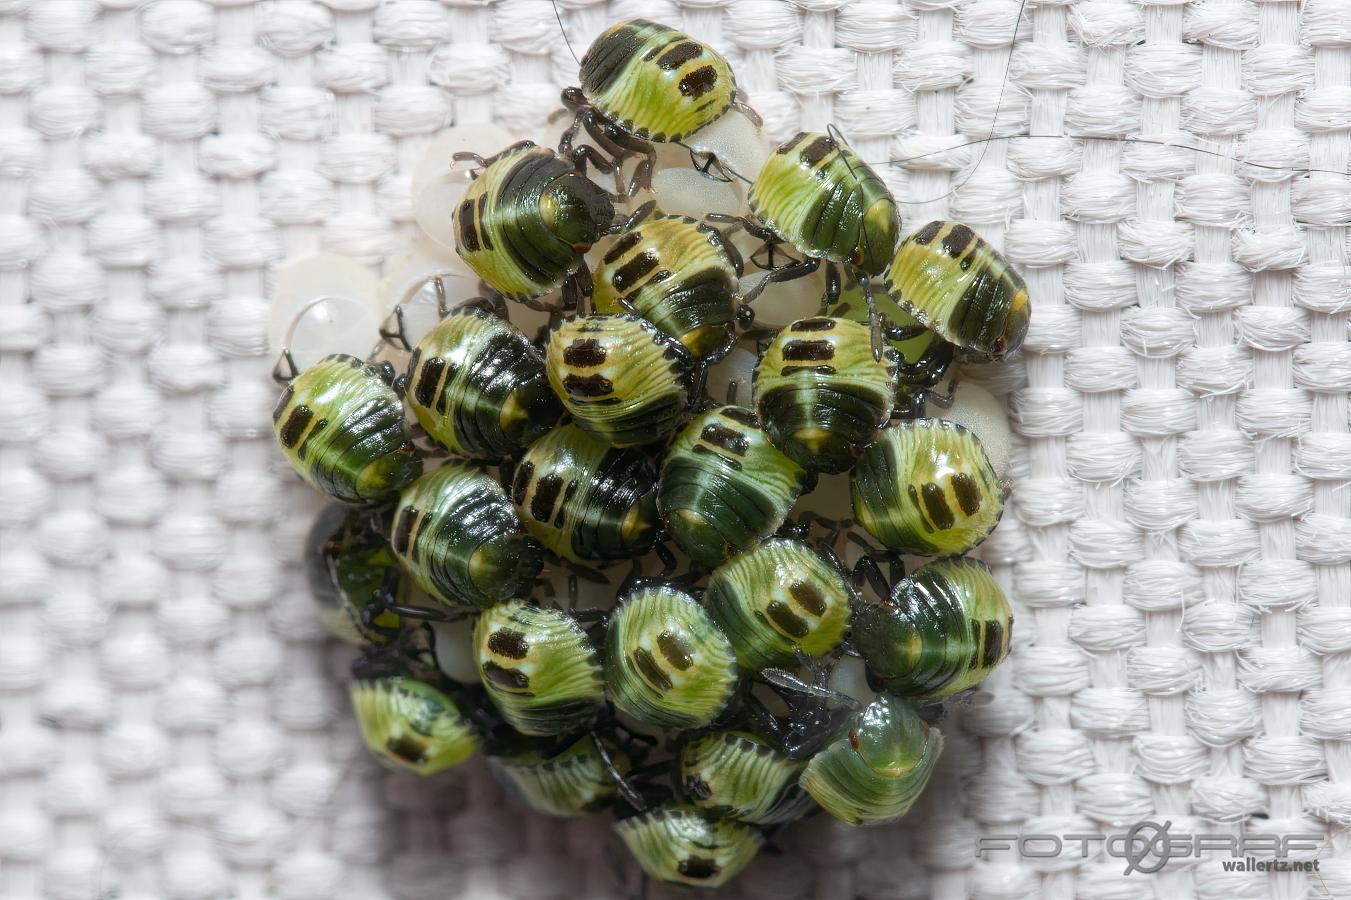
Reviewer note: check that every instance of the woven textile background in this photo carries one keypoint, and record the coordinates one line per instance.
(170, 723)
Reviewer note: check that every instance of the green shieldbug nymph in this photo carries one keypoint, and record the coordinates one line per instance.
(527, 219)
(725, 486)
(927, 487)
(684, 845)
(924, 358)
(478, 387)
(877, 769)
(666, 662)
(353, 576)
(676, 272)
(625, 382)
(569, 782)
(341, 426)
(457, 535)
(540, 669)
(821, 393)
(737, 774)
(411, 724)
(778, 599)
(584, 500)
(942, 630)
(644, 82)
(957, 284)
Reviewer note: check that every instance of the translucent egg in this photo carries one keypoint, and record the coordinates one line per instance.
(849, 677)
(736, 368)
(979, 410)
(738, 144)
(324, 304)
(483, 138)
(686, 192)
(434, 203)
(455, 650)
(786, 301)
(407, 283)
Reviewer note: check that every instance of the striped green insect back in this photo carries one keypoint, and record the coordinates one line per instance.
(725, 486)
(666, 662)
(676, 272)
(624, 382)
(818, 195)
(567, 782)
(923, 357)
(644, 83)
(456, 533)
(353, 575)
(684, 845)
(821, 394)
(927, 487)
(477, 386)
(741, 775)
(526, 220)
(778, 600)
(341, 426)
(877, 768)
(411, 724)
(540, 669)
(942, 630)
(954, 282)
(584, 500)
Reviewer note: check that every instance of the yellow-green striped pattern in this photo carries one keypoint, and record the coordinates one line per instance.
(923, 356)
(724, 486)
(478, 387)
(456, 533)
(684, 845)
(539, 668)
(876, 772)
(571, 783)
(666, 662)
(411, 724)
(342, 429)
(525, 222)
(585, 500)
(624, 382)
(737, 774)
(655, 82)
(821, 395)
(958, 285)
(943, 630)
(926, 487)
(676, 273)
(816, 194)
(777, 598)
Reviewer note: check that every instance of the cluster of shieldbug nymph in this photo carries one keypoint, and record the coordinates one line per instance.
(492, 479)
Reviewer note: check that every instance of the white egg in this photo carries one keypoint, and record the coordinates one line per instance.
(987, 416)
(483, 138)
(786, 301)
(686, 192)
(324, 304)
(736, 368)
(739, 145)
(849, 677)
(455, 650)
(434, 203)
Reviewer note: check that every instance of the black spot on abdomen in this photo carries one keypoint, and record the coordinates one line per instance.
(680, 54)
(584, 353)
(927, 233)
(295, 425)
(967, 492)
(508, 643)
(546, 495)
(588, 386)
(818, 150)
(957, 240)
(699, 82)
(936, 505)
(725, 438)
(815, 351)
(676, 651)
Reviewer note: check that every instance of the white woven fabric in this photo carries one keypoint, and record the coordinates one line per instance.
(170, 725)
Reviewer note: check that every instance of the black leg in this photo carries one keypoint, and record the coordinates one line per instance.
(632, 797)
(286, 375)
(783, 273)
(392, 331)
(866, 569)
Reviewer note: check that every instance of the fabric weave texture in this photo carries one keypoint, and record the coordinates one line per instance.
(1179, 553)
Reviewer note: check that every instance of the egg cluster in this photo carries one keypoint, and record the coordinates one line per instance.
(585, 551)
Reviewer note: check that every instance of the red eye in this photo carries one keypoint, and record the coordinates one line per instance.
(853, 739)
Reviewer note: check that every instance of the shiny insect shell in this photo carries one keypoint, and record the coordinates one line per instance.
(923, 357)
(741, 775)
(684, 845)
(666, 662)
(526, 220)
(351, 571)
(725, 486)
(877, 769)
(943, 629)
(777, 599)
(624, 382)
(584, 500)
(655, 83)
(569, 782)
(817, 194)
(411, 724)
(926, 487)
(540, 669)
(820, 393)
(341, 426)
(677, 273)
(954, 282)
(477, 386)
(456, 533)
